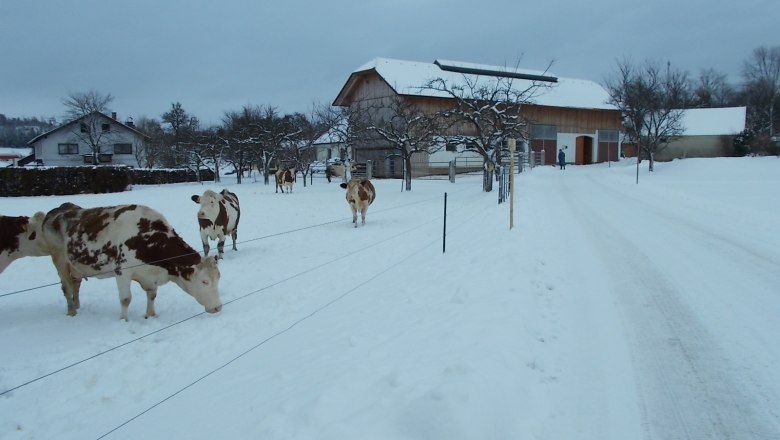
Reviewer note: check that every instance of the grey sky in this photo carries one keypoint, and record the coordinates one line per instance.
(217, 56)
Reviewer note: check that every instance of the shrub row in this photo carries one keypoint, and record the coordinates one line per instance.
(46, 181)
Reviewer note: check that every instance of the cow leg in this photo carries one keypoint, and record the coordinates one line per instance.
(66, 282)
(76, 290)
(363, 214)
(221, 247)
(234, 234)
(125, 295)
(354, 213)
(206, 248)
(151, 295)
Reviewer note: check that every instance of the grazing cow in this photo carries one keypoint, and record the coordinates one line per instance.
(20, 237)
(360, 194)
(131, 243)
(218, 217)
(285, 178)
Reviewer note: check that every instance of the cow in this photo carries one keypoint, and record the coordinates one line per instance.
(285, 178)
(360, 194)
(218, 217)
(130, 243)
(20, 237)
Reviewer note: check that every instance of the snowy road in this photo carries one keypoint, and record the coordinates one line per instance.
(695, 292)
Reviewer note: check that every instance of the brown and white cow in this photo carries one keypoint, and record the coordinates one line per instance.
(20, 237)
(360, 194)
(285, 178)
(131, 243)
(218, 217)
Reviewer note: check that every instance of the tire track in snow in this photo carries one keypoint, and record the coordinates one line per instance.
(688, 387)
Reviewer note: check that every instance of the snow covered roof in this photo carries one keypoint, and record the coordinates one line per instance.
(408, 78)
(714, 121)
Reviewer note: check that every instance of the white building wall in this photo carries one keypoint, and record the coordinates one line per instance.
(47, 150)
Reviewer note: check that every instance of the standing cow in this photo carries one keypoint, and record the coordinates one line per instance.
(285, 178)
(360, 194)
(20, 237)
(131, 243)
(218, 217)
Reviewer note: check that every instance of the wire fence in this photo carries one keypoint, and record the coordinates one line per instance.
(343, 256)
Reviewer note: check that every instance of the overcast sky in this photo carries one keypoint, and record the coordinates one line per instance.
(217, 56)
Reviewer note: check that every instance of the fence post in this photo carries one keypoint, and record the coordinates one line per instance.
(444, 233)
(369, 169)
(452, 171)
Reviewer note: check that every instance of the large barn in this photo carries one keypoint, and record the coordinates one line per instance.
(572, 114)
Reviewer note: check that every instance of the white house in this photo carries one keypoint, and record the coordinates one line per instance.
(79, 141)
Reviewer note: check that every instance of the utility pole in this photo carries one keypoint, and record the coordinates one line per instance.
(512, 143)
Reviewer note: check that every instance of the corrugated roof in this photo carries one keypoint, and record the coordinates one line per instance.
(409, 77)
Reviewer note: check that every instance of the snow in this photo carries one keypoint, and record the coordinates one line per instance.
(409, 77)
(612, 310)
(714, 121)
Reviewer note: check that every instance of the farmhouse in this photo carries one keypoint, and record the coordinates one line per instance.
(571, 114)
(90, 137)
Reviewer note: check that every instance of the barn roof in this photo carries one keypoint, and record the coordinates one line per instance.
(409, 77)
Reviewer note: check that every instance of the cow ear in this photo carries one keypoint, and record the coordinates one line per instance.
(195, 198)
(343, 185)
(216, 260)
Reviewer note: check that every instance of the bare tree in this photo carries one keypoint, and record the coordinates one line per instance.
(762, 83)
(90, 124)
(181, 130)
(150, 152)
(347, 126)
(408, 129)
(241, 134)
(652, 100)
(712, 90)
(487, 110)
(307, 130)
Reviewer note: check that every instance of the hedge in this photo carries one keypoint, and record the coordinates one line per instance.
(47, 181)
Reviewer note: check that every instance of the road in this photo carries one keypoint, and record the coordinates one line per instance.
(696, 296)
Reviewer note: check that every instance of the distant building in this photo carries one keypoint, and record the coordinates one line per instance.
(9, 157)
(118, 143)
(572, 114)
(707, 132)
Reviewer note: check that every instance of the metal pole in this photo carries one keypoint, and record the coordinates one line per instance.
(444, 233)
(512, 143)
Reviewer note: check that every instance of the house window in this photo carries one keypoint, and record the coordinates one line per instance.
(123, 149)
(83, 128)
(608, 136)
(544, 132)
(105, 127)
(68, 148)
(102, 158)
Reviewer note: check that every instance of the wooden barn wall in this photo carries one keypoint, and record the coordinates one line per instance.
(571, 120)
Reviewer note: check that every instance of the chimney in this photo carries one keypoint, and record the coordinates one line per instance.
(130, 122)
(113, 115)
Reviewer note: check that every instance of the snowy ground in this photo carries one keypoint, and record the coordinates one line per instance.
(610, 311)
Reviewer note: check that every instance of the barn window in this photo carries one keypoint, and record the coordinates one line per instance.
(123, 149)
(68, 148)
(544, 132)
(105, 127)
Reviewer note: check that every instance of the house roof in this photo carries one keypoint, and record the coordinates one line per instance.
(73, 121)
(714, 121)
(409, 77)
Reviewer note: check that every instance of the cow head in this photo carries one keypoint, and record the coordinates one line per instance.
(203, 285)
(209, 205)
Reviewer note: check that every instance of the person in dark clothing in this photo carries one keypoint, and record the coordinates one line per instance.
(561, 159)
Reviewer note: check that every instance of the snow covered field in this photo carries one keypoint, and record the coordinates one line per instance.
(611, 311)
